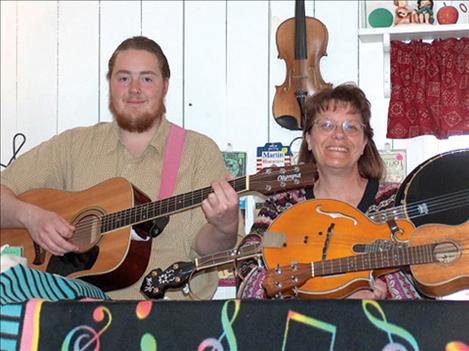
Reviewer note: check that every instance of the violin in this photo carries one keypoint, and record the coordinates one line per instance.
(301, 42)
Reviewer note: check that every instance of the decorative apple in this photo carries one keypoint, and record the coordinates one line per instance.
(447, 14)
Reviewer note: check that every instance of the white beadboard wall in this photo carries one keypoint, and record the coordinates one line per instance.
(223, 60)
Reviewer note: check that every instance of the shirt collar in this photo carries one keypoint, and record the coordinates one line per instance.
(158, 141)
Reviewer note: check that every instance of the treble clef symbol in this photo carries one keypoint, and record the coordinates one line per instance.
(215, 344)
(83, 336)
(389, 328)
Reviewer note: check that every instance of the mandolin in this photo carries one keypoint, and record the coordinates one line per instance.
(320, 230)
(437, 253)
(104, 215)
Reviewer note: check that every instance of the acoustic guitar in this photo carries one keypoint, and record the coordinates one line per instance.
(104, 215)
(437, 253)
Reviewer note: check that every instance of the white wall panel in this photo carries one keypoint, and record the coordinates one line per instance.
(37, 70)
(119, 20)
(162, 21)
(341, 19)
(78, 58)
(205, 68)
(8, 79)
(247, 105)
(223, 58)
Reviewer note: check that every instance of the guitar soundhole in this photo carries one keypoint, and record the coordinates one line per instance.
(446, 252)
(87, 228)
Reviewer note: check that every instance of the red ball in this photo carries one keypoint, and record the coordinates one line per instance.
(447, 15)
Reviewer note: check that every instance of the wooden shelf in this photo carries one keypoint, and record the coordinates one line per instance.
(406, 32)
(415, 32)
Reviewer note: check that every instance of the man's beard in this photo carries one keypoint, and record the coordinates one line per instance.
(140, 124)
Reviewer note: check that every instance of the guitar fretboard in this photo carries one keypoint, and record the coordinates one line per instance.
(152, 210)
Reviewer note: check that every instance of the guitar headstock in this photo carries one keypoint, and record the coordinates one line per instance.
(286, 278)
(276, 179)
(155, 283)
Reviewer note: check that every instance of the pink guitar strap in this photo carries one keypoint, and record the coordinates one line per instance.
(171, 160)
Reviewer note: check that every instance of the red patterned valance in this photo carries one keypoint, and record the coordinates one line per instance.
(429, 89)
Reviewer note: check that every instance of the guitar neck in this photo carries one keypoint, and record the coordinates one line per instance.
(391, 258)
(267, 181)
(170, 205)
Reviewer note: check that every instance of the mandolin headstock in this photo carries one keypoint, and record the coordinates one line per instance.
(286, 278)
(156, 282)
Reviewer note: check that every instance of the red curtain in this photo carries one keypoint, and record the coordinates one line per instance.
(429, 89)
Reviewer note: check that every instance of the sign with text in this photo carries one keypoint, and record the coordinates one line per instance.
(273, 155)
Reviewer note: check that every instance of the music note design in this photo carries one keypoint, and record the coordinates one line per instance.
(312, 322)
(228, 332)
(148, 341)
(83, 336)
(389, 328)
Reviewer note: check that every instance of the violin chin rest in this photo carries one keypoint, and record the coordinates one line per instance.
(288, 122)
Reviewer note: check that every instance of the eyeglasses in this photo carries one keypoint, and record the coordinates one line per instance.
(350, 128)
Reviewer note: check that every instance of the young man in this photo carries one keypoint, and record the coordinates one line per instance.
(133, 147)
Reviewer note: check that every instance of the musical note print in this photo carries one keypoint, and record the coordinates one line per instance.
(82, 337)
(456, 346)
(312, 322)
(148, 341)
(216, 344)
(389, 328)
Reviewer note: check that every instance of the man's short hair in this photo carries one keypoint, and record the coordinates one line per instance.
(141, 43)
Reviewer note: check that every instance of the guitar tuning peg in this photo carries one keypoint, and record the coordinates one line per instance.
(278, 270)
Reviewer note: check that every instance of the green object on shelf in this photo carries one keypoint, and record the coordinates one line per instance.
(380, 18)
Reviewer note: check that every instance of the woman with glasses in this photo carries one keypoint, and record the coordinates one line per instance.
(338, 141)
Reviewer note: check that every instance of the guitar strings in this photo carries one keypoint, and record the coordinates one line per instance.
(122, 218)
(152, 210)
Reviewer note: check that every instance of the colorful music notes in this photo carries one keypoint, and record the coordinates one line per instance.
(389, 328)
(215, 344)
(83, 336)
(312, 322)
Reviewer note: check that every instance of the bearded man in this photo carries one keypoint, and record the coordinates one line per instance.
(132, 146)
